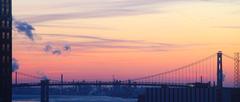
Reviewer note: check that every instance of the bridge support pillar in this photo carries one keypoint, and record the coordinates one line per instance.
(219, 77)
(44, 90)
(219, 70)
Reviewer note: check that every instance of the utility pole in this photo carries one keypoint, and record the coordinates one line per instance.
(5, 50)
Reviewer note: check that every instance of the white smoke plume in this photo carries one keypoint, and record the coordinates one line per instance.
(67, 47)
(15, 65)
(50, 48)
(24, 28)
(27, 29)
(43, 75)
(57, 52)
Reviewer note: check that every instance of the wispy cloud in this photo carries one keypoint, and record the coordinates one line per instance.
(90, 14)
(107, 40)
(97, 43)
(111, 8)
(228, 27)
(74, 27)
(96, 9)
(88, 37)
(88, 43)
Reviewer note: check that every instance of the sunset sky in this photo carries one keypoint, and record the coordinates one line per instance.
(124, 38)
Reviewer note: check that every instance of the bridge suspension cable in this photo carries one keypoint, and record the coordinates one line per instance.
(178, 71)
(230, 57)
(35, 77)
(28, 75)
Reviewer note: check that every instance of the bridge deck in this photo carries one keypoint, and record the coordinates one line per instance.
(103, 83)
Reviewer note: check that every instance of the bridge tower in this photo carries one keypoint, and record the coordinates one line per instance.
(236, 70)
(5, 50)
(219, 77)
(219, 70)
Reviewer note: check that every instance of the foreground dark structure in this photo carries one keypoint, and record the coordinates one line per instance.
(190, 94)
(5, 50)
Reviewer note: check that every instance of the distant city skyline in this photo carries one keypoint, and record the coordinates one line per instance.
(126, 38)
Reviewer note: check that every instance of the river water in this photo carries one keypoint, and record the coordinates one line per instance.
(32, 98)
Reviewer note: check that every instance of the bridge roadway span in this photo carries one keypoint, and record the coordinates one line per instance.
(99, 83)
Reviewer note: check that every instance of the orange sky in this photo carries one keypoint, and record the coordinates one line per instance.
(125, 38)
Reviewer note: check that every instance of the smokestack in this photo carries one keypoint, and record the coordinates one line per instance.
(61, 78)
(16, 78)
(61, 90)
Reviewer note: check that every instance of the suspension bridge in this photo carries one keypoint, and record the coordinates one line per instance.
(209, 70)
